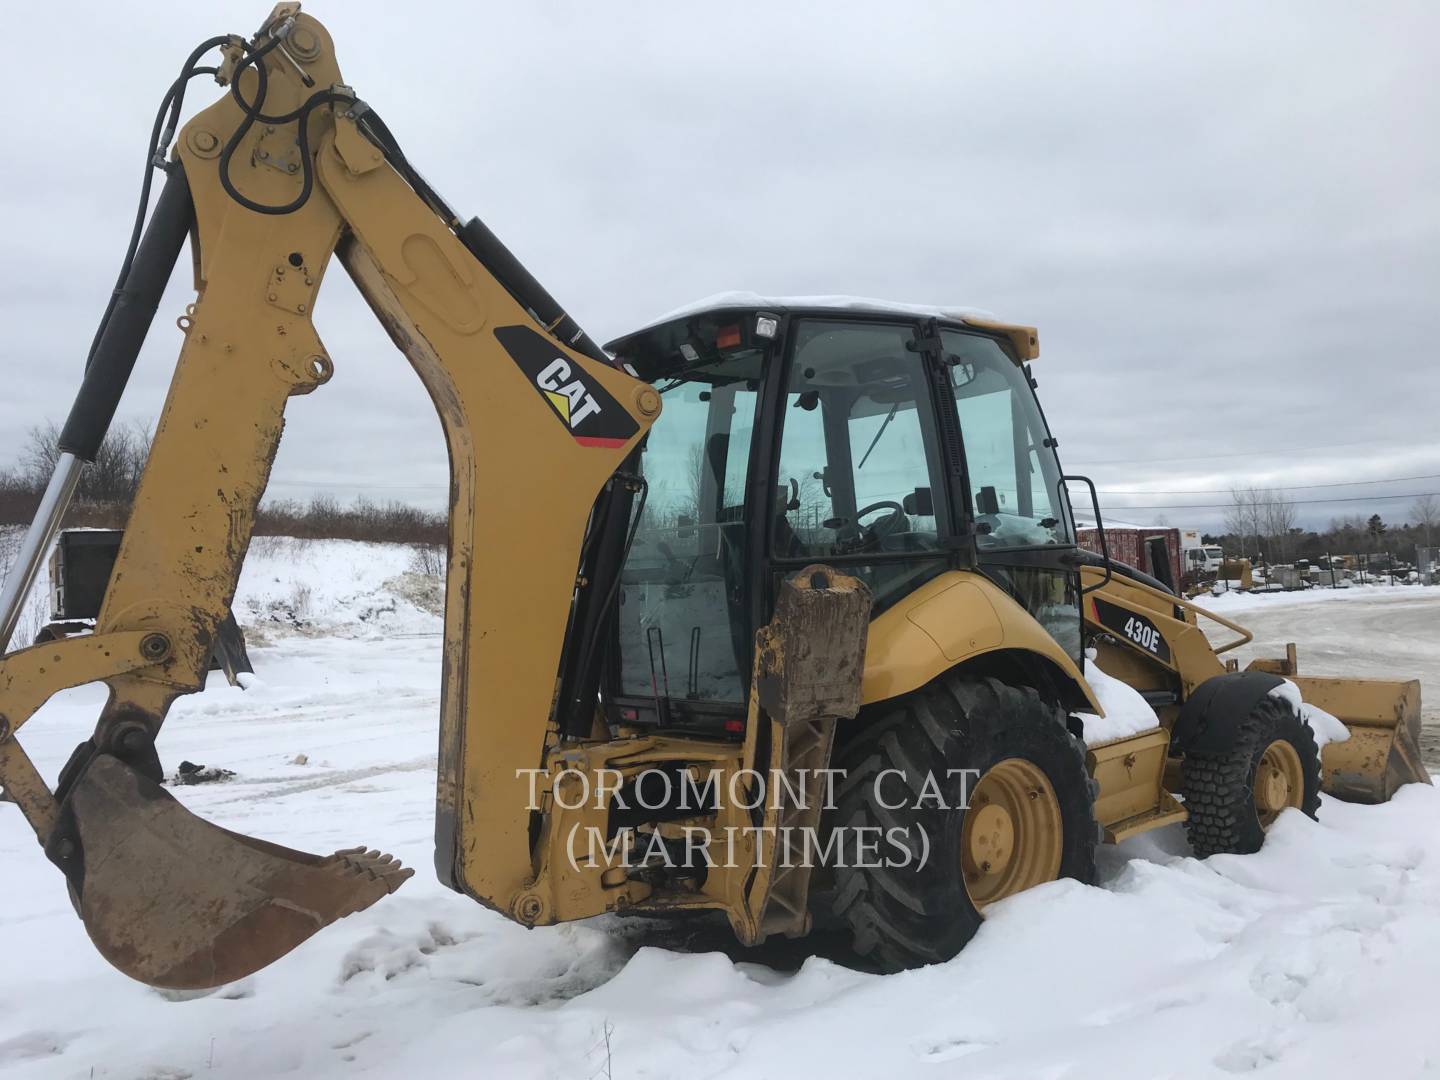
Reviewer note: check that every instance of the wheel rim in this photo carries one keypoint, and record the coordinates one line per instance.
(1013, 833)
(1279, 781)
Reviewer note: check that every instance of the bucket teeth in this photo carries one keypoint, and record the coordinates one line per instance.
(368, 866)
(179, 903)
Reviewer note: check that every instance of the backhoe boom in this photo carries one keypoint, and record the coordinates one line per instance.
(268, 183)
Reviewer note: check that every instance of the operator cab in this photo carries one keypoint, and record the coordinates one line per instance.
(894, 442)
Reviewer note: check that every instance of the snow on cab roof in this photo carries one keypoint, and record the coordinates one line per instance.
(1023, 338)
(836, 302)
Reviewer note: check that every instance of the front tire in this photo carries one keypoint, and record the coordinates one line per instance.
(1030, 816)
(1234, 796)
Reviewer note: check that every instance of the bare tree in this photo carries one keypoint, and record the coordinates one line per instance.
(42, 451)
(1264, 514)
(1244, 517)
(695, 474)
(1237, 521)
(112, 477)
(1278, 518)
(1425, 513)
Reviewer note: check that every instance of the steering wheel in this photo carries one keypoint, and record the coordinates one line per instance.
(871, 536)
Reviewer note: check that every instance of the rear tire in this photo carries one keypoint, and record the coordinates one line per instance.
(905, 916)
(1233, 797)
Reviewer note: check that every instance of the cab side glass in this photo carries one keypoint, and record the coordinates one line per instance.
(859, 469)
(683, 626)
(1014, 476)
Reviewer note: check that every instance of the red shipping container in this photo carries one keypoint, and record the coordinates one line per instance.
(1128, 544)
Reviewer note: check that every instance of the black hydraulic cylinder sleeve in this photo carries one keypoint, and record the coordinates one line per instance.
(129, 318)
(521, 284)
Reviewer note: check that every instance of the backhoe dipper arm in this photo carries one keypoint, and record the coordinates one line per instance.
(270, 181)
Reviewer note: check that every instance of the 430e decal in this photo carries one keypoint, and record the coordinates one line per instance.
(1136, 629)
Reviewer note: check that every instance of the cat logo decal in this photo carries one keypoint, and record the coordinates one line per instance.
(593, 417)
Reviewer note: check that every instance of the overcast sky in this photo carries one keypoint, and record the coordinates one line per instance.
(1225, 219)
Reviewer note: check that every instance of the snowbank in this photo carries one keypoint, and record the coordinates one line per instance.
(314, 587)
(1126, 712)
(1227, 603)
(340, 587)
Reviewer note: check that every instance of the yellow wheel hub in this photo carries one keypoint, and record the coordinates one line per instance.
(1013, 833)
(1279, 781)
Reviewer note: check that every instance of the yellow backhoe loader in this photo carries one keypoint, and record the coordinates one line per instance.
(773, 608)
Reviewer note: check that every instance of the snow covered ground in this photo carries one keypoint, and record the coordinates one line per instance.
(1314, 958)
(1234, 602)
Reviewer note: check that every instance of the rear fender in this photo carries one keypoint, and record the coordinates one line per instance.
(956, 619)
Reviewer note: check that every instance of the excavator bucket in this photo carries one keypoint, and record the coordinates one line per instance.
(1383, 751)
(179, 903)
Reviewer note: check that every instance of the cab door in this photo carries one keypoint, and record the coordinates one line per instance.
(683, 628)
(860, 480)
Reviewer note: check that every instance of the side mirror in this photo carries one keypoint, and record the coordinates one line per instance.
(684, 526)
(919, 502)
(987, 502)
(962, 372)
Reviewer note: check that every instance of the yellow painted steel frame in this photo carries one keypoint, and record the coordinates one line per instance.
(249, 346)
(29, 678)
(1381, 715)
(957, 617)
(1192, 658)
(1130, 773)
(962, 616)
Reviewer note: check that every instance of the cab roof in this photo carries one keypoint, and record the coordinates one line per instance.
(1024, 339)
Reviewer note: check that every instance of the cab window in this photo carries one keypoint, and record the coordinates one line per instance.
(859, 469)
(682, 617)
(1014, 476)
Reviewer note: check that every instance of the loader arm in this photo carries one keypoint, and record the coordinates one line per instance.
(1152, 640)
(269, 183)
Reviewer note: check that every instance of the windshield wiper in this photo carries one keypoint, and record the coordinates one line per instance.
(888, 417)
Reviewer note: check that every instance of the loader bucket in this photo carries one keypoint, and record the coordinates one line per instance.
(179, 903)
(1383, 751)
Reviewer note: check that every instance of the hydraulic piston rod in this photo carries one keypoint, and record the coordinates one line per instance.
(38, 538)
